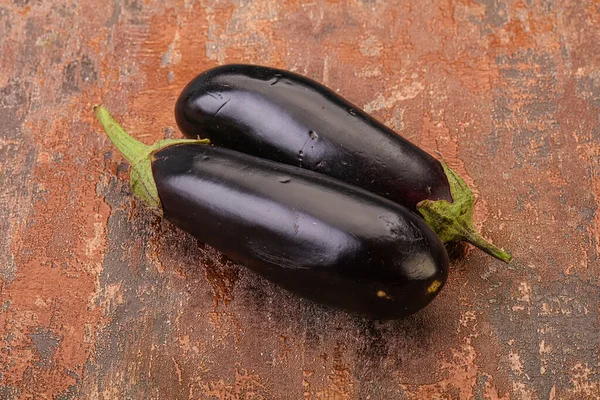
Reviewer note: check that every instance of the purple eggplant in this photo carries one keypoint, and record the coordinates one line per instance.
(316, 236)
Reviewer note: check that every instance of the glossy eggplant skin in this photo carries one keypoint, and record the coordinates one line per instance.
(313, 235)
(285, 117)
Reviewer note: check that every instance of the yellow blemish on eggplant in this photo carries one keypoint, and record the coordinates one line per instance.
(435, 285)
(384, 295)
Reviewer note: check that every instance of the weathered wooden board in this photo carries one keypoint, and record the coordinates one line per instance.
(100, 299)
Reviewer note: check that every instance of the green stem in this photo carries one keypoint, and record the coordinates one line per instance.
(454, 220)
(139, 156)
(478, 241)
(132, 149)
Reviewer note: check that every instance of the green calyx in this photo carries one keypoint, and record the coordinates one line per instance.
(139, 156)
(453, 221)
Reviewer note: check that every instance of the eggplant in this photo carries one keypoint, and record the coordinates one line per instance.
(311, 234)
(288, 118)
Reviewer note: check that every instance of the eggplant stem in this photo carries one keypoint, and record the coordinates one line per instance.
(478, 241)
(453, 221)
(129, 147)
(139, 156)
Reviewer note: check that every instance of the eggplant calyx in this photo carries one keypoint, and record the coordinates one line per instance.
(453, 221)
(139, 156)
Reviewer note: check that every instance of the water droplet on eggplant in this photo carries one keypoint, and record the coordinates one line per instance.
(275, 79)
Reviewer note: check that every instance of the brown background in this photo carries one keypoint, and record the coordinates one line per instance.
(100, 299)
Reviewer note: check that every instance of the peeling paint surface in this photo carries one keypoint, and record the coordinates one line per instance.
(100, 299)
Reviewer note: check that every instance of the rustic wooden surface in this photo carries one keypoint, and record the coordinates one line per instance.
(99, 299)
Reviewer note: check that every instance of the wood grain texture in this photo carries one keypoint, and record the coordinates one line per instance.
(100, 300)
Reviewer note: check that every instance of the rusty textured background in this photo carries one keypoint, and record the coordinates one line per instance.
(101, 300)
